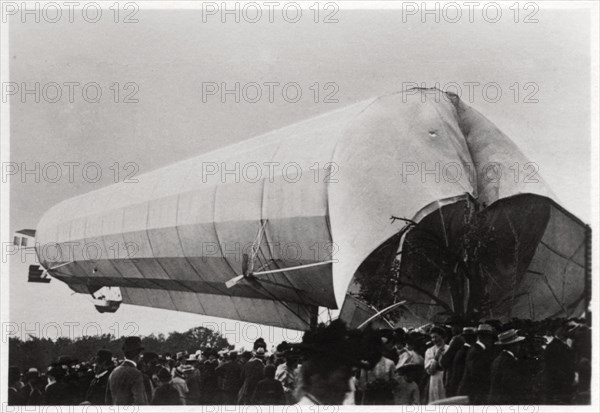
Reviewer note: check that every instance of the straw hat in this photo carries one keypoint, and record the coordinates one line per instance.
(509, 337)
(485, 328)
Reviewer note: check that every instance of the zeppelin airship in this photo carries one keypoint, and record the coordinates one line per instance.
(272, 228)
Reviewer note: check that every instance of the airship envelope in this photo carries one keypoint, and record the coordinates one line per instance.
(294, 213)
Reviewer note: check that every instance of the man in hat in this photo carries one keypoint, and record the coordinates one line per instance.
(506, 378)
(59, 392)
(96, 393)
(376, 381)
(252, 373)
(447, 361)
(147, 365)
(32, 394)
(280, 351)
(230, 379)
(193, 380)
(260, 342)
(85, 375)
(70, 365)
(329, 354)
(559, 368)
(458, 364)
(244, 357)
(15, 397)
(208, 377)
(476, 379)
(126, 382)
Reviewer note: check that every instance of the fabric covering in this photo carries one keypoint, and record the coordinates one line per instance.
(355, 312)
(324, 189)
(530, 263)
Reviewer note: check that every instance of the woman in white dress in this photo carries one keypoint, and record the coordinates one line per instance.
(433, 367)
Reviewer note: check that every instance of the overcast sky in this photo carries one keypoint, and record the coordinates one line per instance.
(169, 54)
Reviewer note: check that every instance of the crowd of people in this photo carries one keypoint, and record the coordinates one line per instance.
(521, 362)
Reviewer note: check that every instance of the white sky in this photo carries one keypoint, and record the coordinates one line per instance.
(168, 54)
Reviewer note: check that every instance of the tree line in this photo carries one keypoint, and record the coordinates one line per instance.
(41, 352)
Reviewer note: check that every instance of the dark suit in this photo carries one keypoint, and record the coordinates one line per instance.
(252, 373)
(32, 395)
(15, 397)
(209, 388)
(559, 372)
(457, 371)
(96, 393)
(194, 383)
(476, 379)
(506, 380)
(447, 362)
(268, 392)
(126, 386)
(148, 386)
(166, 395)
(60, 393)
(230, 381)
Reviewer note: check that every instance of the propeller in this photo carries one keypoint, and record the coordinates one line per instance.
(248, 272)
(252, 275)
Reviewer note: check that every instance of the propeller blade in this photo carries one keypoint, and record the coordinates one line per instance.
(298, 267)
(381, 313)
(234, 281)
